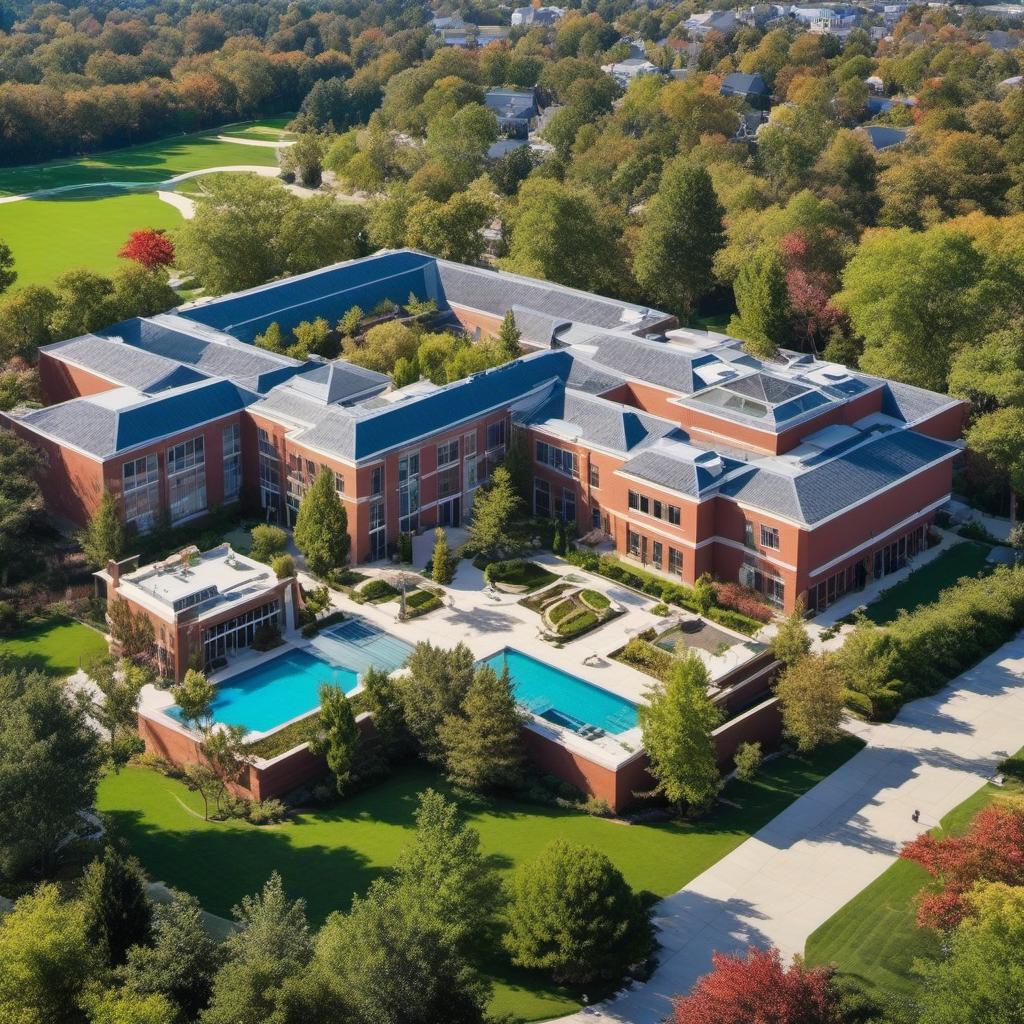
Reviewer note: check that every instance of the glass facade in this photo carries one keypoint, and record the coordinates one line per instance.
(226, 637)
(186, 478)
(232, 462)
(141, 492)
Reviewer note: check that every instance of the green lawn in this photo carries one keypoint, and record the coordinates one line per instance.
(874, 937)
(90, 232)
(57, 645)
(327, 855)
(923, 585)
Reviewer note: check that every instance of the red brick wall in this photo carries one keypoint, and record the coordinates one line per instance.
(60, 381)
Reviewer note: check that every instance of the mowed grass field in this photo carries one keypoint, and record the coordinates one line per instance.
(874, 937)
(327, 855)
(86, 227)
(56, 646)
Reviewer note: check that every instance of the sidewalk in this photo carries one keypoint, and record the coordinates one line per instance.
(794, 874)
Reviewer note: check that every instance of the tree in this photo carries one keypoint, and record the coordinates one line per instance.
(747, 761)
(382, 347)
(132, 631)
(267, 541)
(912, 322)
(483, 745)
(202, 779)
(182, 960)
(318, 231)
(677, 724)
(811, 692)
(305, 156)
(271, 944)
(759, 987)
(791, 641)
(494, 507)
(121, 1006)
(998, 437)
(321, 527)
(118, 913)
(682, 230)
(338, 735)
(443, 563)
(518, 463)
(704, 593)
(764, 320)
(380, 697)
(21, 501)
(84, 303)
(103, 539)
(390, 959)
(980, 980)
(989, 851)
(25, 321)
(8, 275)
(283, 566)
(195, 695)
(509, 336)
(120, 682)
(150, 247)
(572, 914)
(445, 869)
(433, 687)
(47, 959)
(451, 230)
(50, 761)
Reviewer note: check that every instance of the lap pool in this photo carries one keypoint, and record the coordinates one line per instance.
(563, 699)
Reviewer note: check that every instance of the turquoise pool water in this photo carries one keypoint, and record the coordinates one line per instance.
(273, 693)
(561, 698)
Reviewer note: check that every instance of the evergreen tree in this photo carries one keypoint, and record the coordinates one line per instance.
(182, 960)
(445, 868)
(117, 910)
(321, 527)
(573, 914)
(792, 641)
(103, 539)
(508, 337)
(764, 321)
(444, 563)
(704, 593)
(518, 463)
(677, 724)
(120, 682)
(381, 699)
(338, 735)
(483, 745)
(681, 233)
(494, 508)
(558, 540)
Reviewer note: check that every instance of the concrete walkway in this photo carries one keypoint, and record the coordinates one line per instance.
(794, 874)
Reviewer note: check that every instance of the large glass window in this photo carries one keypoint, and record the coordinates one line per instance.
(541, 497)
(141, 491)
(559, 459)
(496, 435)
(567, 512)
(378, 532)
(675, 562)
(770, 537)
(226, 637)
(447, 453)
(270, 475)
(232, 462)
(409, 493)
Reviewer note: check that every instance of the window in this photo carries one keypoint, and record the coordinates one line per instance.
(633, 543)
(673, 515)
(141, 491)
(558, 458)
(770, 537)
(748, 534)
(656, 509)
(376, 515)
(675, 562)
(469, 444)
(640, 502)
(186, 478)
(409, 493)
(447, 453)
(448, 482)
(541, 497)
(266, 445)
(763, 580)
(270, 477)
(226, 637)
(595, 516)
(496, 435)
(568, 510)
(595, 476)
(656, 552)
(377, 480)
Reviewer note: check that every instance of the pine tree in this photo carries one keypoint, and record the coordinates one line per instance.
(558, 540)
(103, 539)
(338, 736)
(792, 641)
(508, 337)
(118, 913)
(681, 233)
(483, 746)
(494, 508)
(321, 527)
(519, 465)
(764, 320)
(444, 563)
(677, 724)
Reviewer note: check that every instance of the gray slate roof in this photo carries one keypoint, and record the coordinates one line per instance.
(652, 361)
(829, 485)
(674, 474)
(122, 363)
(908, 403)
(338, 381)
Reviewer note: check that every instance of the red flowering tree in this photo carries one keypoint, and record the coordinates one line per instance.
(809, 290)
(149, 246)
(991, 850)
(760, 990)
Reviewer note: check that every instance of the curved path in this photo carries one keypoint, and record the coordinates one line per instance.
(793, 875)
(265, 143)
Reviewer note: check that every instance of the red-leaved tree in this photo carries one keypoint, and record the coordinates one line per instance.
(760, 990)
(991, 850)
(149, 246)
(810, 290)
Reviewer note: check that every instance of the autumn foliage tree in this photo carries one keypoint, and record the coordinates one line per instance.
(760, 988)
(991, 850)
(151, 247)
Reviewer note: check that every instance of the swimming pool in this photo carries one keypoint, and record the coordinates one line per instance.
(561, 698)
(360, 645)
(277, 691)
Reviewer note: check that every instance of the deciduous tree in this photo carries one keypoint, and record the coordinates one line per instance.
(150, 247)
(494, 509)
(21, 501)
(337, 736)
(8, 275)
(120, 682)
(194, 695)
(811, 692)
(118, 913)
(509, 336)
(103, 538)
(791, 641)
(764, 319)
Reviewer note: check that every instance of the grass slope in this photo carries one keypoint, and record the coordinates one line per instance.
(924, 585)
(327, 855)
(874, 937)
(56, 646)
(51, 236)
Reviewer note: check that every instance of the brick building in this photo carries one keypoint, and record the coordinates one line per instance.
(793, 476)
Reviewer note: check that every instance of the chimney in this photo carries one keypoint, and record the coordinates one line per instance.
(114, 572)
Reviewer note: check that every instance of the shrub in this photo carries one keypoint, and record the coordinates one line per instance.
(283, 566)
(498, 571)
(579, 622)
(735, 620)
(643, 655)
(598, 808)
(595, 599)
(266, 812)
(584, 558)
(8, 616)
(419, 602)
(267, 541)
(747, 759)
(743, 600)
(266, 638)
(660, 609)
(377, 590)
(405, 548)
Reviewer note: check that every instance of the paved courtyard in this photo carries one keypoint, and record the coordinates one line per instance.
(794, 874)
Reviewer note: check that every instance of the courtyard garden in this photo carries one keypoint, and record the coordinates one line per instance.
(516, 576)
(328, 854)
(567, 611)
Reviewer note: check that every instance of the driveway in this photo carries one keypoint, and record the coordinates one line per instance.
(794, 874)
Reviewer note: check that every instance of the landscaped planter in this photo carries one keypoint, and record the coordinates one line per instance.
(511, 588)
